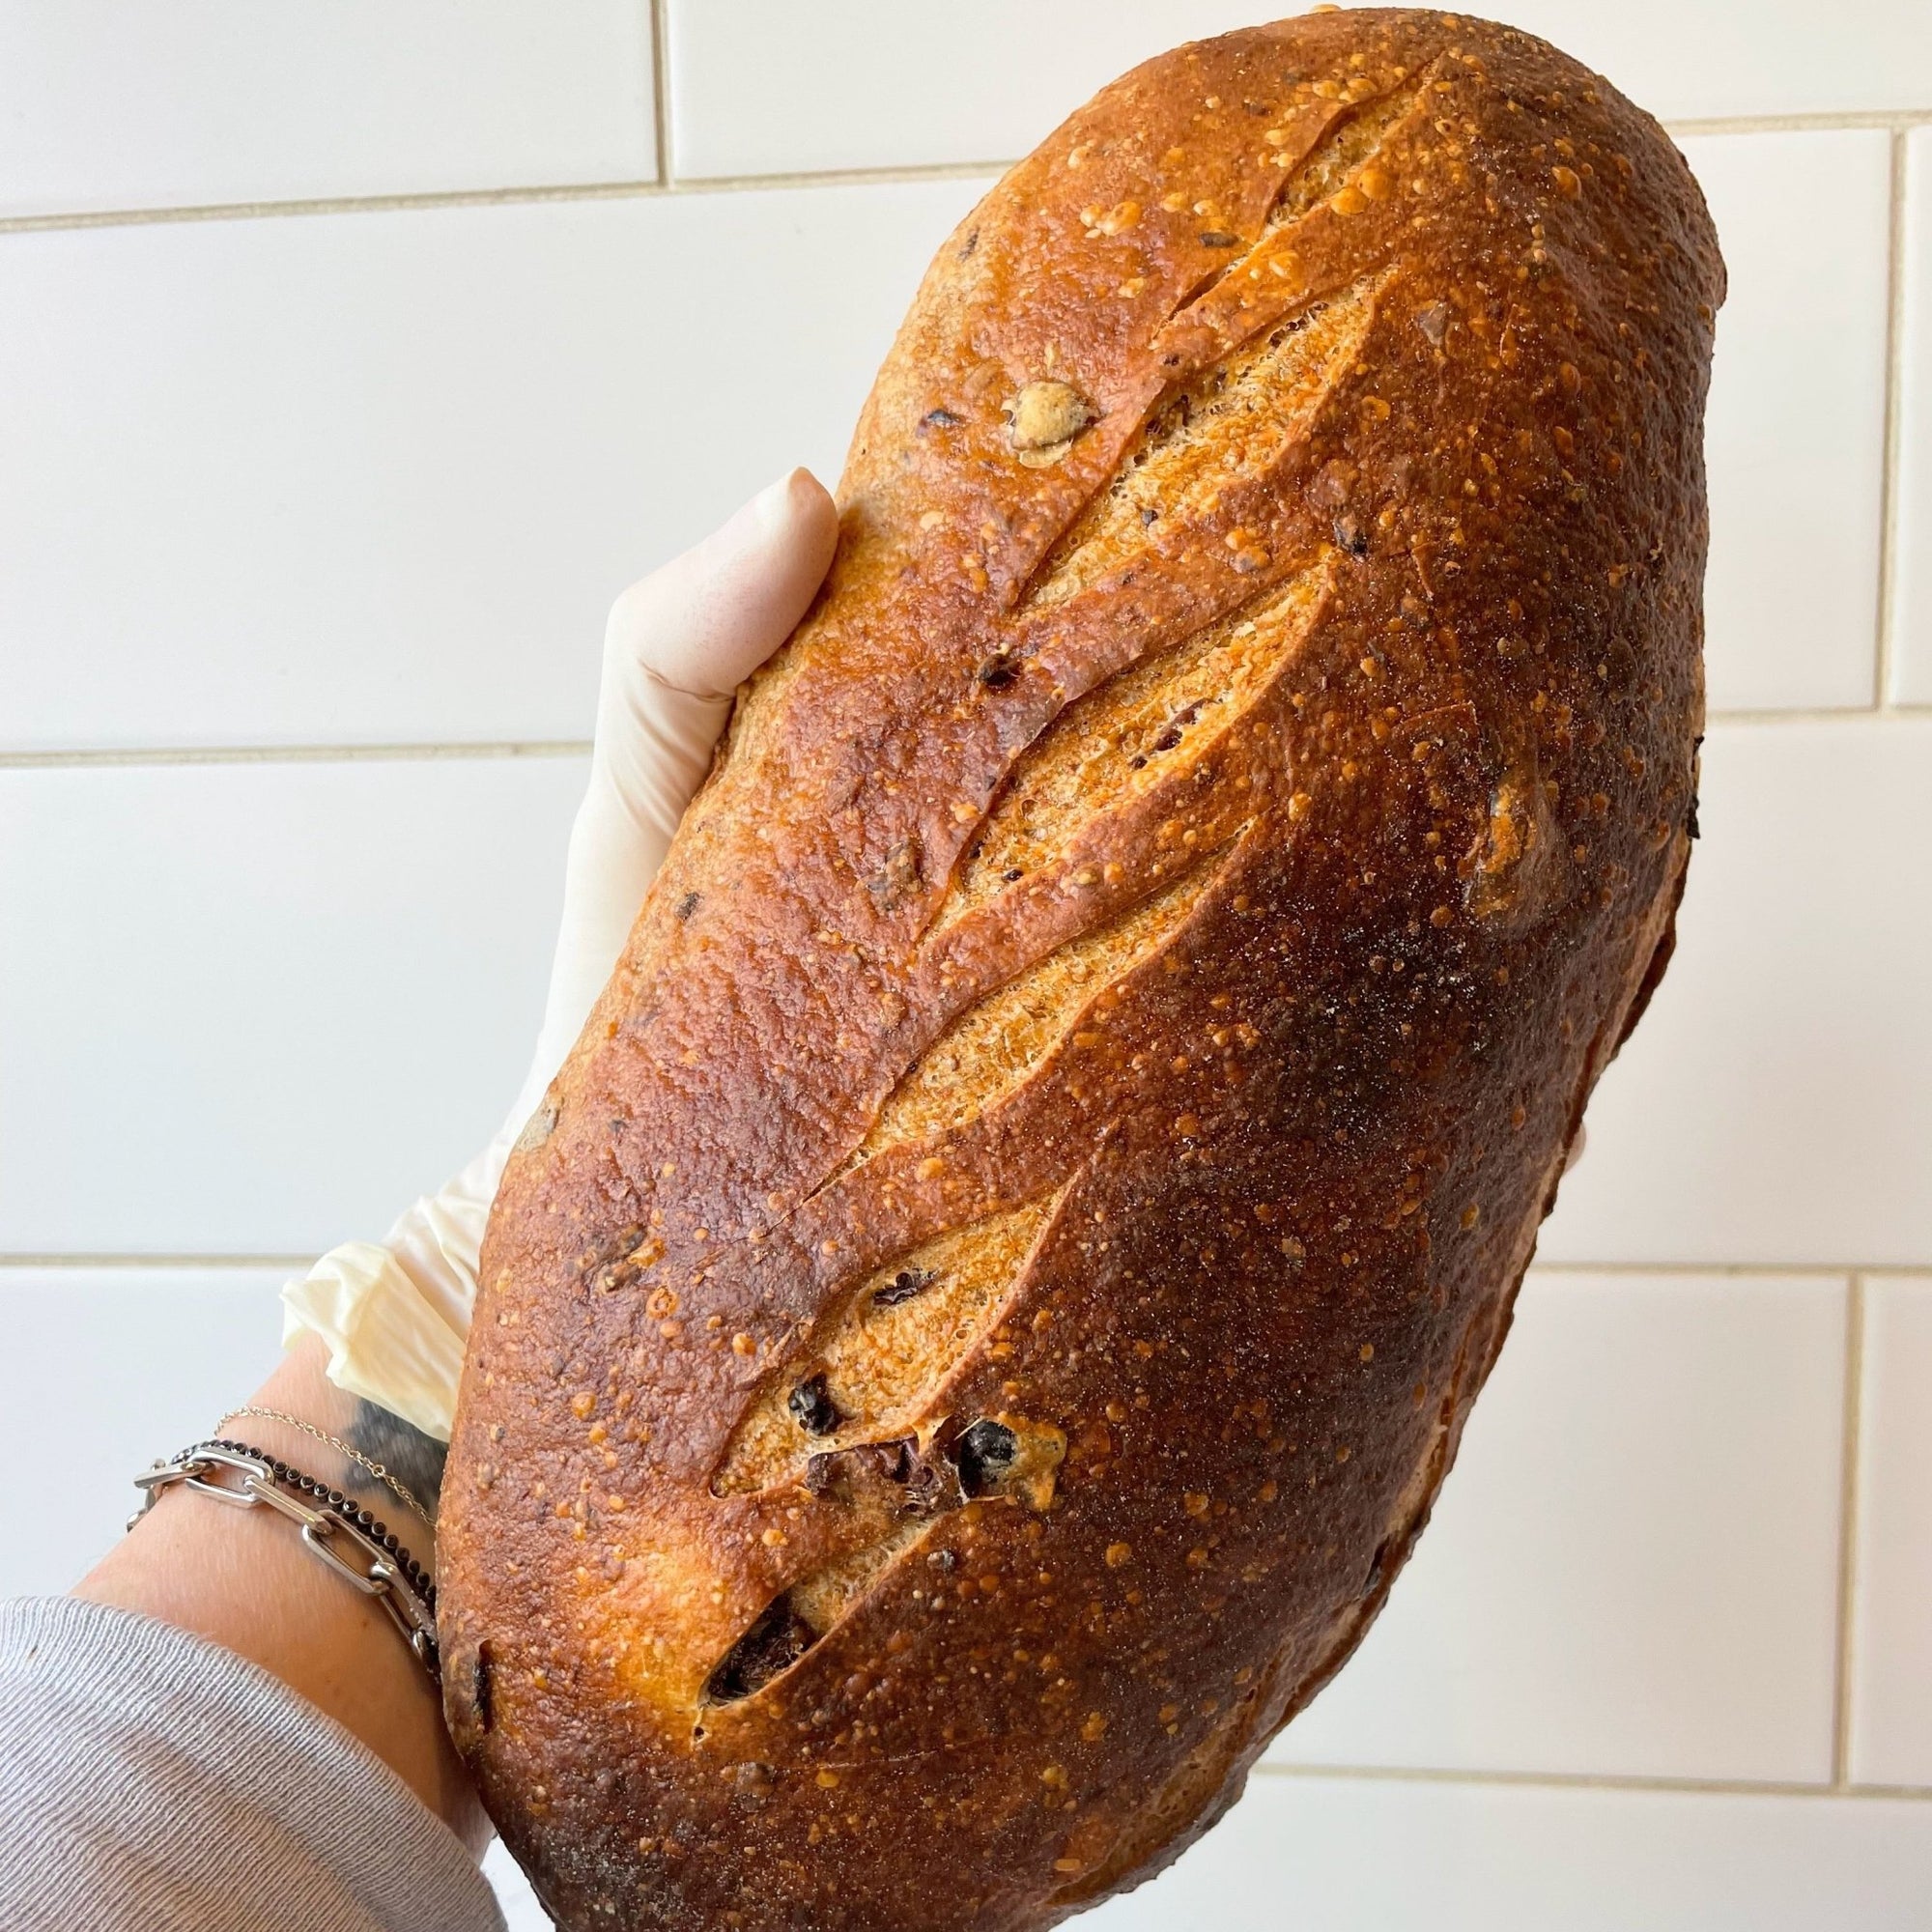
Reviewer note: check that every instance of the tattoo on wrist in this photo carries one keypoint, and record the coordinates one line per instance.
(414, 1458)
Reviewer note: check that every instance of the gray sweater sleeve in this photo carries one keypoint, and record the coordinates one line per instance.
(150, 1780)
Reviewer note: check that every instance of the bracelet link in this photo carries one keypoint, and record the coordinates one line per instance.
(391, 1576)
(317, 1533)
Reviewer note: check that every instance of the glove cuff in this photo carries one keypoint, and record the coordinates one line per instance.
(387, 1341)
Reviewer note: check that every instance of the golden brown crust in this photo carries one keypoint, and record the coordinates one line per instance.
(915, 1450)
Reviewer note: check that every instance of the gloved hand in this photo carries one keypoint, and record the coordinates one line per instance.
(395, 1316)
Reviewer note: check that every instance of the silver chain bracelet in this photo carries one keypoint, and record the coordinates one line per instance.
(335, 1530)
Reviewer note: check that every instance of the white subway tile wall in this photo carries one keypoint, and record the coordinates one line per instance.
(1776, 1105)
(1892, 1577)
(1632, 1569)
(310, 511)
(115, 104)
(1911, 681)
(105, 1371)
(769, 86)
(256, 1008)
(1797, 410)
(375, 477)
(1397, 1854)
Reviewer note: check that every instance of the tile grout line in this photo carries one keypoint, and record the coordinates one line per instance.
(1893, 434)
(661, 91)
(498, 197)
(48, 1262)
(1730, 1270)
(1823, 120)
(1815, 714)
(1633, 1271)
(347, 204)
(567, 747)
(1899, 120)
(296, 754)
(1848, 1524)
(1583, 1780)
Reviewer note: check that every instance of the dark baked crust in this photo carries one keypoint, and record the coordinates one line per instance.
(1337, 386)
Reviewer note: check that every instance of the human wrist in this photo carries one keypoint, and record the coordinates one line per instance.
(300, 1416)
(242, 1578)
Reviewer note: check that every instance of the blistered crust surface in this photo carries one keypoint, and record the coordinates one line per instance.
(1021, 1233)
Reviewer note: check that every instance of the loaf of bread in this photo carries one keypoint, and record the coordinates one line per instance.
(980, 1321)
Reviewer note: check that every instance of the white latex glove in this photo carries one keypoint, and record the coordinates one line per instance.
(395, 1316)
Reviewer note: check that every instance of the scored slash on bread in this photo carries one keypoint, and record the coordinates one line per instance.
(983, 1313)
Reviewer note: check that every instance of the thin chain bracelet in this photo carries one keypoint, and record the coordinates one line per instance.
(391, 1576)
(393, 1484)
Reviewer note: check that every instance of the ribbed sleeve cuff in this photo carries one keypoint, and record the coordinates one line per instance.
(152, 1779)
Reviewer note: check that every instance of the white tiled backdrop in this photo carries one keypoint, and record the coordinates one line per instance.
(351, 358)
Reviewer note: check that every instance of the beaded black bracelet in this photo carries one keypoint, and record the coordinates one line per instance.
(346, 1507)
(393, 1577)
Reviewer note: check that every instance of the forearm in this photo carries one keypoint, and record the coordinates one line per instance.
(242, 1578)
(677, 645)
